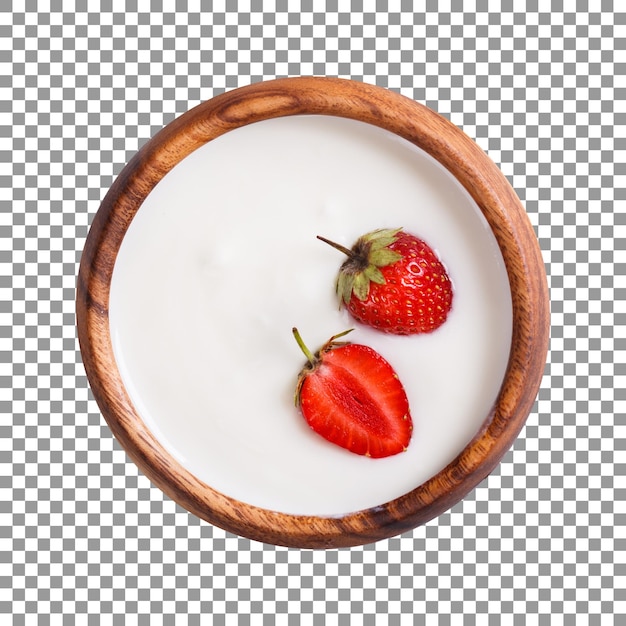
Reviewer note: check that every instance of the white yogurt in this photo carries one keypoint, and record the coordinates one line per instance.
(222, 261)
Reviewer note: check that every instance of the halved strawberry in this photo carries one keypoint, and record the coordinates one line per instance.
(350, 395)
(394, 282)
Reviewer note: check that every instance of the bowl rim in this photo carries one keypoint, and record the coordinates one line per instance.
(452, 148)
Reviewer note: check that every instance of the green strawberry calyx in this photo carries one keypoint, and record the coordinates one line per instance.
(370, 253)
(314, 360)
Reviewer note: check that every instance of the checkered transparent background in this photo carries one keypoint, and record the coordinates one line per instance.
(83, 533)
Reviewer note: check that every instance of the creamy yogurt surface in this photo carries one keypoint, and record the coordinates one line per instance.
(222, 260)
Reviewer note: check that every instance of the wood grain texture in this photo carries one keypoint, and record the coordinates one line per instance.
(430, 132)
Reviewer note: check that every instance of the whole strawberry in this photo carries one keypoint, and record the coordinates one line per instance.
(394, 282)
(351, 396)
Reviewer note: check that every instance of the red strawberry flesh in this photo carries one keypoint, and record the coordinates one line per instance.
(352, 397)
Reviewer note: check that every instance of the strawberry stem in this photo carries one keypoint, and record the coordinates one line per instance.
(337, 246)
(307, 353)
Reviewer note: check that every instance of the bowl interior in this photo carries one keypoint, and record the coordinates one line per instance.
(156, 395)
(202, 333)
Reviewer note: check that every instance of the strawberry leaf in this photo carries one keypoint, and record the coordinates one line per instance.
(369, 253)
(361, 286)
(384, 257)
(345, 282)
(385, 235)
(374, 274)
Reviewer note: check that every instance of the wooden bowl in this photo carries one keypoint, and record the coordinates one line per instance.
(452, 149)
